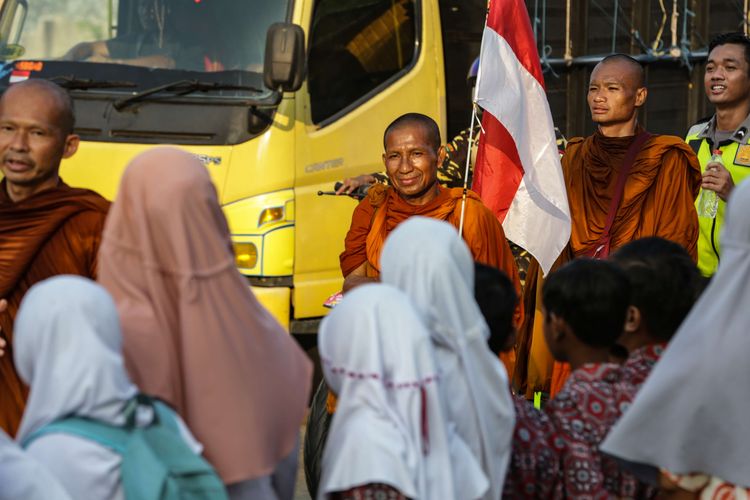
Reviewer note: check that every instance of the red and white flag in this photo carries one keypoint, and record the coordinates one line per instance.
(517, 172)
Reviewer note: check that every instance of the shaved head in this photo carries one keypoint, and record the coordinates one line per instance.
(634, 69)
(431, 128)
(64, 118)
(616, 92)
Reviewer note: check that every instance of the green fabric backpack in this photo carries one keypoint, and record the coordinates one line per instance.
(157, 463)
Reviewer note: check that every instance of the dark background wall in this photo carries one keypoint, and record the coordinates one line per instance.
(674, 73)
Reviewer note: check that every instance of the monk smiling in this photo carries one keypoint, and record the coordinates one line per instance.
(412, 152)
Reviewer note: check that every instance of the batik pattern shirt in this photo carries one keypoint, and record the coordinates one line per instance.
(640, 363)
(534, 469)
(582, 414)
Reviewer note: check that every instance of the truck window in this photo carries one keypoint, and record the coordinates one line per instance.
(187, 35)
(349, 60)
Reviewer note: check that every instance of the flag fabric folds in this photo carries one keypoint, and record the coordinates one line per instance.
(517, 172)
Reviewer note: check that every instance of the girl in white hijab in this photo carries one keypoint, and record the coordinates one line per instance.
(691, 415)
(23, 477)
(67, 348)
(429, 261)
(389, 431)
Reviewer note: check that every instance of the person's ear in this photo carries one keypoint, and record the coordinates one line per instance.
(71, 145)
(559, 327)
(442, 153)
(633, 320)
(640, 97)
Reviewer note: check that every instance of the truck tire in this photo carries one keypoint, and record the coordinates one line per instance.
(318, 422)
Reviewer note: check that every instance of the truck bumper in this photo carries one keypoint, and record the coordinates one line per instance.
(277, 300)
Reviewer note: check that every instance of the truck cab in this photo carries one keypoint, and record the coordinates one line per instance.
(202, 75)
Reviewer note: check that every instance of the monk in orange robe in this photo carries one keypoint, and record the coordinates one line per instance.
(658, 200)
(411, 157)
(46, 227)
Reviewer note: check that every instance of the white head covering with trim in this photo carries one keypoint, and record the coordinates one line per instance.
(429, 261)
(691, 414)
(389, 426)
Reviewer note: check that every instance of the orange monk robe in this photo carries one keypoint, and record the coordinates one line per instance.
(383, 209)
(658, 201)
(53, 232)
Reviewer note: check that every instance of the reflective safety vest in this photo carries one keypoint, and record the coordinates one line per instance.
(737, 160)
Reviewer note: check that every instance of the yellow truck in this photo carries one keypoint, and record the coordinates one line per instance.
(278, 98)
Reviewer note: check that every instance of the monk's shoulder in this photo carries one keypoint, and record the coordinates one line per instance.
(574, 143)
(86, 198)
(365, 210)
(571, 156)
(85, 224)
(672, 153)
(663, 144)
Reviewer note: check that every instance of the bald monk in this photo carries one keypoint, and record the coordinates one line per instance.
(46, 227)
(657, 200)
(412, 154)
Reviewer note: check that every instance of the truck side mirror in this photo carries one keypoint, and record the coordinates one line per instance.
(284, 64)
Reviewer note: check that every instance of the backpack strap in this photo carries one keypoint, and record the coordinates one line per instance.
(166, 416)
(110, 436)
(614, 204)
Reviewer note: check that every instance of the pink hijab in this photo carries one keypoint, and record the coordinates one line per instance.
(193, 333)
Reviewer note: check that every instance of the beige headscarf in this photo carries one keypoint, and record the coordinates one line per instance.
(194, 334)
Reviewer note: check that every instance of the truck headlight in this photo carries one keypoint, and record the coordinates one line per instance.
(270, 215)
(245, 255)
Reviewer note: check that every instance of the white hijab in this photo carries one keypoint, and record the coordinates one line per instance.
(67, 348)
(691, 415)
(22, 477)
(389, 426)
(429, 261)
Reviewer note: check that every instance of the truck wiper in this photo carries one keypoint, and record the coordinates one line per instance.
(180, 88)
(70, 82)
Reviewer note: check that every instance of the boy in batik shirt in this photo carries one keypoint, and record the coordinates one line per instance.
(665, 283)
(533, 471)
(584, 306)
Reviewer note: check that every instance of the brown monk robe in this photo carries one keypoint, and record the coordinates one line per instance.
(56, 231)
(658, 201)
(411, 155)
(383, 209)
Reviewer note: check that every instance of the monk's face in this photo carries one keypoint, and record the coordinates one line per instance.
(614, 94)
(727, 78)
(411, 163)
(32, 143)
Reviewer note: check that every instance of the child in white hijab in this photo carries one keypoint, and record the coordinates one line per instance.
(389, 434)
(427, 260)
(67, 348)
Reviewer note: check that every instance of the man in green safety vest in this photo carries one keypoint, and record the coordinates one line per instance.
(727, 84)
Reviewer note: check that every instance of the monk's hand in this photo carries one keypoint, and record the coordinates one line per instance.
(718, 179)
(3, 307)
(349, 184)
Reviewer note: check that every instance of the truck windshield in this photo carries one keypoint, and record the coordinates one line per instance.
(187, 35)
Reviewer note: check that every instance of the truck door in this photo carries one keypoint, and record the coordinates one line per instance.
(386, 60)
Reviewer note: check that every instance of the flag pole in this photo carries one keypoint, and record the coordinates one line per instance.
(471, 135)
(468, 161)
